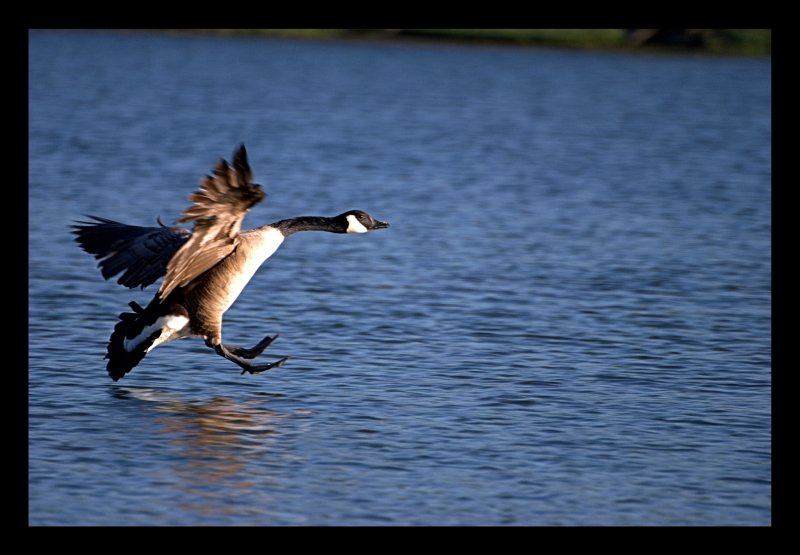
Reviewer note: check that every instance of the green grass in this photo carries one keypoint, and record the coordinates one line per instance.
(743, 41)
(720, 41)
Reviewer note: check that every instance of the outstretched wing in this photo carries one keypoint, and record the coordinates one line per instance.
(218, 210)
(142, 253)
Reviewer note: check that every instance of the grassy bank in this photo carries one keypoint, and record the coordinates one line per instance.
(716, 41)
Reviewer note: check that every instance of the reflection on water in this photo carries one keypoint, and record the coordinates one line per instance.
(221, 446)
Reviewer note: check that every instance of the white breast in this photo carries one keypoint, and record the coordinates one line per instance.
(257, 245)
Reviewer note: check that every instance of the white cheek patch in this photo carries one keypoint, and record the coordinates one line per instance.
(354, 226)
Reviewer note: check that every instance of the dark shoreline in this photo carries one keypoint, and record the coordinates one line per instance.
(739, 42)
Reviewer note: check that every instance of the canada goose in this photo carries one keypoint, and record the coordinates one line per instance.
(204, 269)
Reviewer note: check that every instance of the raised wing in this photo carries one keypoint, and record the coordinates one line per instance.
(142, 253)
(218, 210)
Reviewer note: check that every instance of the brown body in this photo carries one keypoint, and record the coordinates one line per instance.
(209, 297)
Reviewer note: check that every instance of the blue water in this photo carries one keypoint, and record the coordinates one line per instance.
(568, 322)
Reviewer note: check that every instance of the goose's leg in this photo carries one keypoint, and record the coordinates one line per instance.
(254, 351)
(246, 366)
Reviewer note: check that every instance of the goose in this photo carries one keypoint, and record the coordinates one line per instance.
(204, 269)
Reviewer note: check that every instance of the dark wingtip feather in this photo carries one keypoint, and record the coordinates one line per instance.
(240, 151)
(79, 225)
(241, 165)
(139, 254)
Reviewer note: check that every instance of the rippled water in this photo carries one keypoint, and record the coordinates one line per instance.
(567, 323)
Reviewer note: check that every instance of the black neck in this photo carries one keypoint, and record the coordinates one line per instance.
(309, 223)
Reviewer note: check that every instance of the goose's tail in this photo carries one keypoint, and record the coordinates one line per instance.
(133, 336)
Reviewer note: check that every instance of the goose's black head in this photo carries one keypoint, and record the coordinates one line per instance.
(358, 221)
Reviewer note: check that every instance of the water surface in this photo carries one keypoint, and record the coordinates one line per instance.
(568, 322)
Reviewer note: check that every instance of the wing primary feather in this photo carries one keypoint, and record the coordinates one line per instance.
(140, 254)
(218, 209)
